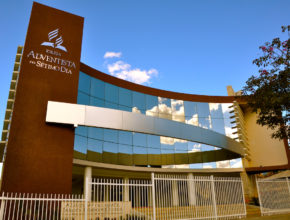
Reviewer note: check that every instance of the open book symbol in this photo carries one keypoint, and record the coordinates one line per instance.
(58, 41)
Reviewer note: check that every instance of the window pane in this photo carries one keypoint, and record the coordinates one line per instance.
(96, 133)
(98, 88)
(139, 101)
(180, 145)
(209, 165)
(139, 139)
(83, 99)
(139, 150)
(151, 104)
(97, 102)
(195, 166)
(111, 135)
(192, 120)
(216, 110)
(218, 125)
(111, 93)
(190, 109)
(125, 97)
(205, 147)
(110, 147)
(111, 105)
(194, 147)
(153, 141)
(167, 143)
(223, 164)
(203, 109)
(81, 130)
(84, 83)
(80, 144)
(164, 108)
(154, 151)
(125, 149)
(125, 108)
(125, 137)
(95, 145)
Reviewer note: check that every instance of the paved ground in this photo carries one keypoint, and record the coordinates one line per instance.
(273, 217)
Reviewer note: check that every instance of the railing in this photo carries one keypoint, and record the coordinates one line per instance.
(199, 197)
(161, 197)
(274, 196)
(39, 207)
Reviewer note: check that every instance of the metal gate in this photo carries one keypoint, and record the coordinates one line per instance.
(167, 197)
(159, 198)
(274, 196)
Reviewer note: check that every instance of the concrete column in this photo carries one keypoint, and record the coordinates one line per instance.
(126, 190)
(175, 197)
(191, 190)
(87, 186)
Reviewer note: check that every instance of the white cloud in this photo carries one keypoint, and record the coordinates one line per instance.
(137, 75)
(112, 54)
(124, 70)
(118, 66)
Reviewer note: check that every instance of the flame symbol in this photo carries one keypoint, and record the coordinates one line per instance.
(51, 35)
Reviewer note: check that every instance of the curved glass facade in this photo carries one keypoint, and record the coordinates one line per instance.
(131, 148)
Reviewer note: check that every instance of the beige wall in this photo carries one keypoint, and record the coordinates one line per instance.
(264, 150)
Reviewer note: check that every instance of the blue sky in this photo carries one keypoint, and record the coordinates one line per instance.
(188, 46)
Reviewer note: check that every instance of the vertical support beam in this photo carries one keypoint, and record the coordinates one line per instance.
(87, 185)
(213, 196)
(153, 195)
(288, 185)
(259, 196)
(191, 190)
(87, 188)
(126, 190)
(175, 197)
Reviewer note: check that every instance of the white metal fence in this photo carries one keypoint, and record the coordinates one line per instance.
(41, 207)
(274, 196)
(161, 197)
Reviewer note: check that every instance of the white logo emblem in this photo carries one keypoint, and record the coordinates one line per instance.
(57, 43)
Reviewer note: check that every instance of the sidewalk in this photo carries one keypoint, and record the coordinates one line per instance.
(272, 217)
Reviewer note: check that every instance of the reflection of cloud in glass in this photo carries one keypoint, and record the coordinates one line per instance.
(229, 132)
(226, 110)
(194, 148)
(136, 110)
(223, 164)
(164, 109)
(166, 140)
(213, 106)
(177, 110)
(182, 166)
(236, 163)
(193, 120)
(207, 166)
(152, 112)
(171, 141)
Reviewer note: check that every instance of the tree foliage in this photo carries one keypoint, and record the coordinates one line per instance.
(268, 93)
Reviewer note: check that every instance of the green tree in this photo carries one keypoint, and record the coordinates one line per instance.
(268, 94)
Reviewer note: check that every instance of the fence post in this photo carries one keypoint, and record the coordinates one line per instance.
(86, 197)
(259, 196)
(213, 196)
(153, 195)
(2, 206)
(243, 191)
(288, 185)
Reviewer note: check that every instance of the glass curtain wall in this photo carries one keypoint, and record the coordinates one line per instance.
(111, 146)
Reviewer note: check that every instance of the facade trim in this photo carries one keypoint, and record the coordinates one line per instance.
(154, 170)
(75, 114)
(152, 91)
